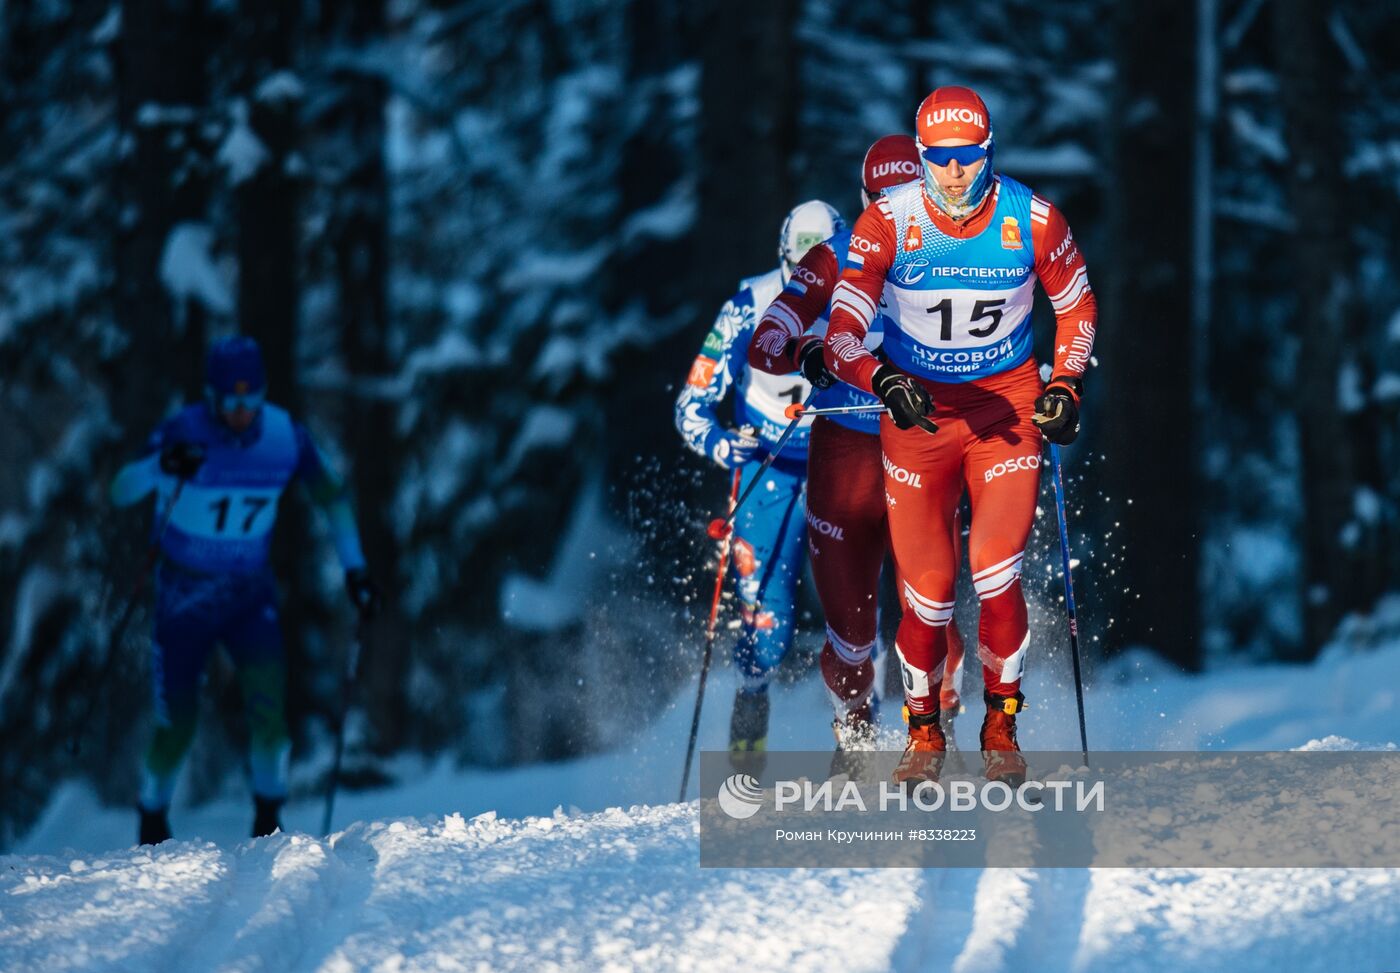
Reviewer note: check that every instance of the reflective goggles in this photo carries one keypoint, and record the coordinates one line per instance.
(247, 401)
(966, 155)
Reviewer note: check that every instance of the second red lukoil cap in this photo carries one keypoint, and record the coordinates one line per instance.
(890, 161)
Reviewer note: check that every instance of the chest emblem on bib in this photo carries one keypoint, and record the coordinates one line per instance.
(913, 239)
(1010, 234)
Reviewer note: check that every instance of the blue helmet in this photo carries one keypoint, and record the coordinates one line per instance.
(234, 367)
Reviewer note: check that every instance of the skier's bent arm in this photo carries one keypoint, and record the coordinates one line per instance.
(711, 376)
(1060, 266)
(135, 481)
(139, 478)
(327, 491)
(778, 340)
(856, 300)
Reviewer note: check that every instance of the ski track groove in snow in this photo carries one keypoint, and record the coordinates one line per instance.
(620, 890)
(660, 908)
(612, 892)
(258, 918)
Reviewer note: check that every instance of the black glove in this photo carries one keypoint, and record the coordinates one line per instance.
(364, 593)
(813, 364)
(1057, 410)
(182, 459)
(907, 400)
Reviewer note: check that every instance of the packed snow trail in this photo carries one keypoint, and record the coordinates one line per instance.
(622, 890)
(609, 891)
(613, 890)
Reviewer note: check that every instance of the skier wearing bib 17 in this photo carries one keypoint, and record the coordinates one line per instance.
(955, 257)
(768, 533)
(847, 534)
(224, 464)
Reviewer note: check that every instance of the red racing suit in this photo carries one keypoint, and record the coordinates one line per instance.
(847, 530)
(956, 299)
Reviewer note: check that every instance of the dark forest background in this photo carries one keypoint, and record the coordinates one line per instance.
(480, 243)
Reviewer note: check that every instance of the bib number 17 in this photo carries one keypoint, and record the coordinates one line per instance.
(252, 506)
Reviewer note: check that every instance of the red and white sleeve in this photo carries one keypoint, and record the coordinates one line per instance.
(1060, 266)
(856, 300)
(778, 340)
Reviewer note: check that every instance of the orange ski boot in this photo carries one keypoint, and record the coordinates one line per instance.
(1001, 754)
(923, 754)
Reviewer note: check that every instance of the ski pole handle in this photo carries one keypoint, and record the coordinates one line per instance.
(721, 527)
(796, 411)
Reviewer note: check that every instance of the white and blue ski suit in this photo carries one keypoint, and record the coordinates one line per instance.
(770, 529)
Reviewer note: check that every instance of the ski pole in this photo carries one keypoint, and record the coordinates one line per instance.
(709, 639)
(722, 527)
(794, 411)
(347, 685)
(1058, 484)
(132, 599)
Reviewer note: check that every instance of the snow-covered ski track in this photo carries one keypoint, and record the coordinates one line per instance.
(610, 891)
(621, 890)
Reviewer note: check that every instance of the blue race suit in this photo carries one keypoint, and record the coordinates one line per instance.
(215, 583)
(769, 531)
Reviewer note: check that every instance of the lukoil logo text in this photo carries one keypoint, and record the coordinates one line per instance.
(900, 475)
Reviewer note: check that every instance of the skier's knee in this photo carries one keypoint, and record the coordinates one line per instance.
(264, 692)
(170, 743)
(851, 653)
(763, 622)
(930, 600)
(998, 577)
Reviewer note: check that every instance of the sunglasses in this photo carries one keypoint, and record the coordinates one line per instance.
(941, 155)
(247, 401)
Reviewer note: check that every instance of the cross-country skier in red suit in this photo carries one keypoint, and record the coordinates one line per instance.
(847, 535)
(955, 258)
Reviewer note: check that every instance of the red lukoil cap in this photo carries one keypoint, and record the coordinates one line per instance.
(953, 112)
(891, 161)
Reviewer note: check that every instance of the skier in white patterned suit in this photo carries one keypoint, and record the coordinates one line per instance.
(770, 530)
